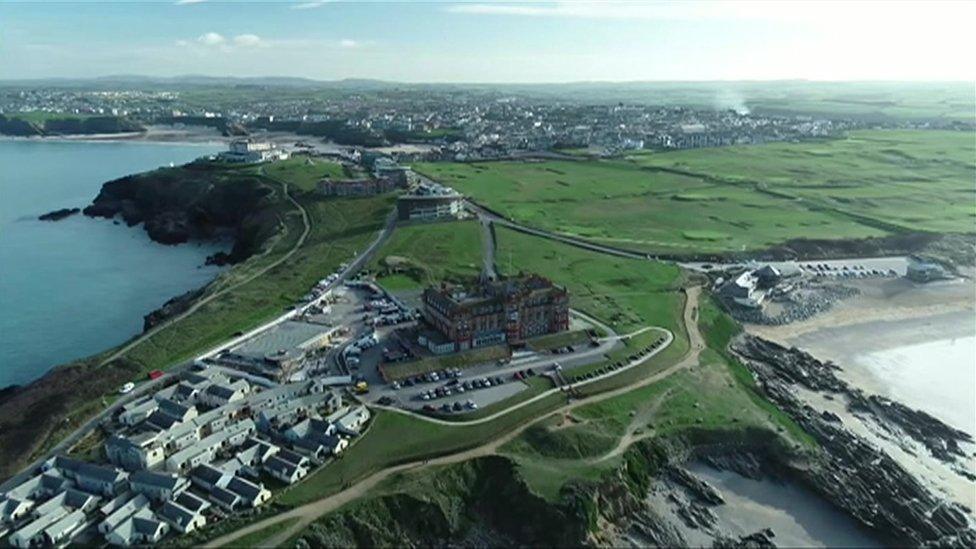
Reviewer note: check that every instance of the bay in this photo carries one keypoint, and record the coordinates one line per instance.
(75, 287)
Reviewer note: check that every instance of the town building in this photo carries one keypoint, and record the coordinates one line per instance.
(492, 312)
(361, 187)
(430, 202)
(248, 151)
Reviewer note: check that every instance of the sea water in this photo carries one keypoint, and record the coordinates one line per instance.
(75, 287)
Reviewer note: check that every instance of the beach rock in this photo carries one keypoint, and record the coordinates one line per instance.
(171, 308)
(58, 215)
(853, 474)
(700, 489)
(758, 540)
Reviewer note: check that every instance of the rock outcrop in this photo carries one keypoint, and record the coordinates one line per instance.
(194, 201)
(58, 215)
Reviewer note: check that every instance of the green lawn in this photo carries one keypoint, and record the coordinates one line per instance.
(303, 172)
(417, 256)
(739, 198)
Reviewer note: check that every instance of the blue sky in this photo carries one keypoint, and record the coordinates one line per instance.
(491, 41)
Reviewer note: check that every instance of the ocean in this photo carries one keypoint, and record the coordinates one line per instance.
(75, 287)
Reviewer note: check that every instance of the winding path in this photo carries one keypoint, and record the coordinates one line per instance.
(308, 513)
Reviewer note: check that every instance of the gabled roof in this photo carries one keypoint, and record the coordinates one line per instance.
(286, 468)
(191, 502)
(88, 470)
(161, 480)
(246, 489)
(177, 514)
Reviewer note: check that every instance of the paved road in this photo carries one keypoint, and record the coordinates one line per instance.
(488, 246)
(572, 241)
(308, 513)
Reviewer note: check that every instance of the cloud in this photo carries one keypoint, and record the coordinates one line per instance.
(186, 2)
(811, 12)
(182, 43)
(310, 5)
(247, 40)
(211, 39)
(348, 43)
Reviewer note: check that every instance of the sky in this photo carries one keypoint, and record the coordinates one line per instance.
(492, 42)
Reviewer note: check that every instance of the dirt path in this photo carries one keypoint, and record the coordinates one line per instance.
(309, 512)
(200, 303)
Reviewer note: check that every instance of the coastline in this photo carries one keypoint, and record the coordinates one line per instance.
(167, 135)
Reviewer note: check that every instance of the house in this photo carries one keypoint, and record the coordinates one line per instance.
(178, 411)
(71, 499)
(13, 509)
(254, 451)
(157, 486)
(208, 477)
(180, 518)
(252, 495)
(294, 457)
(220, 395)
(33, 532)
(205, 450)
(142, 528)
(65, 528)
(140, 451)
(137, 411)
(97, 479)
(225, 499)
(285, 471)
(192, 503)
(122, 513)
(334, 444)
(351, 422)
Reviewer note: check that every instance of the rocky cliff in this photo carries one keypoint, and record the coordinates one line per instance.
(195, 201)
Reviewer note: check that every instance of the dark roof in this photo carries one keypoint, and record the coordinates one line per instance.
(191, 502)
(276, 464)
(174, 409)
(291, 456)
(244, 488)
(161, 480)
(206, 473)
(177, 513)
(162, 420)
(89, 470)
(220, 391)
(146, 526)
(224, 496)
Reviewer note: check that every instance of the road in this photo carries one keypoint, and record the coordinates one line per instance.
(308, 513)
(488, 246)
(484, 214)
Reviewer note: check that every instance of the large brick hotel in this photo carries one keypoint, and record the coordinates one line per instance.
(492, 312)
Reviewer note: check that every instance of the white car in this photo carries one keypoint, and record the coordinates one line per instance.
(127, 388)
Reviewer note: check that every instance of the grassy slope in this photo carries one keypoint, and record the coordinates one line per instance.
(304, 172)
(435, 252)
(739, 198)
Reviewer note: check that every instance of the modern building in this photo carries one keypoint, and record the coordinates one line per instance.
(140, 451)
(492, 312)
(430, 202)
(96, 479)
(248, 151)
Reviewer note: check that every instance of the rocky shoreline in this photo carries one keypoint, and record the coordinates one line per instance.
(58, 215)
(851, 473)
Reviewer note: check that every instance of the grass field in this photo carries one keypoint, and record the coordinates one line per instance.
(732, 199)
(417, 256)
(304, 172)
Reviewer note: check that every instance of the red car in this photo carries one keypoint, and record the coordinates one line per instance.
(155, 374)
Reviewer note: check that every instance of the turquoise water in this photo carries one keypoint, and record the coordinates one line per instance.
(72, 288)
